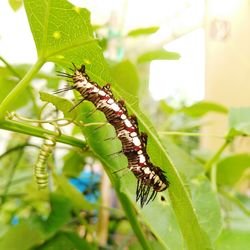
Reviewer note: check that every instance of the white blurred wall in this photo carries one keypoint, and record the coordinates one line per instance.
(227, 77)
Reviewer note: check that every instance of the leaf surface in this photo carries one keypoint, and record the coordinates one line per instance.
(231, 168)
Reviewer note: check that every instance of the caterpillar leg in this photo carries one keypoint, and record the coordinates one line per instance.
(66, 88)
(115, 154)
(77, 104)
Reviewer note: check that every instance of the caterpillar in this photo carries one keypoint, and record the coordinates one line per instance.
(40, 168)
(150, 178)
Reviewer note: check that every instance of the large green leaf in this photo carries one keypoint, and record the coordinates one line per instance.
(57, 26)
(125, 74)
(62, 33)
(232, 239)
(204, 199)
(231, 168)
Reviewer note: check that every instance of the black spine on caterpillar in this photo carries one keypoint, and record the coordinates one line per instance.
(149, 177)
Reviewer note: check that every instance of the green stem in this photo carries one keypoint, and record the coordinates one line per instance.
(214, 159)
(188, 134)
(11, 69)
(20, 87)
(12, 172)
(39, 132)
(17, 181)
(14, 195)
(213, 177)
(18, 147)
(237, 202)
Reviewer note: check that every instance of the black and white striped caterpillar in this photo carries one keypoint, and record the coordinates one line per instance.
(149, 177)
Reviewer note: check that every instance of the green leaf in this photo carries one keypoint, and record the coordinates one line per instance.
(7, 83)
(125, 74)
(67, 241)
(60, 103)
(158, 55)
(166, 107)
(239, 120)
(232, 239)
(73, 164)
(63, 34)
(231, 168)
(23, 236)
(15, 4)
(143, 31)
(202, 108)
(58, 26)
(204, 199)
(77, 199)
(60, 213)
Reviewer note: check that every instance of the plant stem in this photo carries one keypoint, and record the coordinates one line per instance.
(11, 69)
(20, 87)
(12, 172)
(39, 132)
(236, 201)
(217, 155)
(103, 216)
(213, 177)
(17, 181)
(18, 147)
(188, 134)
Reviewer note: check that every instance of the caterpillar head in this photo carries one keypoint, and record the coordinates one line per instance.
(81, 79)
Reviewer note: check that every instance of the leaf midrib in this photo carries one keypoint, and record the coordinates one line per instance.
(45, 29)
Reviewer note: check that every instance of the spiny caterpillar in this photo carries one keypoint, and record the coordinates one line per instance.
(134, 144)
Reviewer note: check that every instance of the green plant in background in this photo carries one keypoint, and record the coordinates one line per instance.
(198, 210)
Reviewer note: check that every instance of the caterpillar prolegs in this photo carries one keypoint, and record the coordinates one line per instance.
(150, 178)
